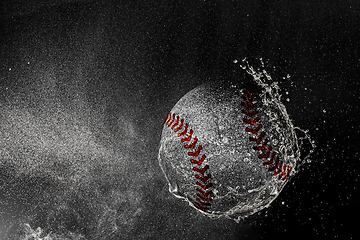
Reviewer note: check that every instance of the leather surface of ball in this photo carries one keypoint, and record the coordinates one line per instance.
(228, 149)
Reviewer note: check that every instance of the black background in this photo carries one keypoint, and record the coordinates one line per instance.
(118, 68)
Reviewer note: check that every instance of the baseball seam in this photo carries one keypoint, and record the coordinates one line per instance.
(250, 110)
(203, 181)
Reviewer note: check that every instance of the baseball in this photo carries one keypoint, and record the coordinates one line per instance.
(228, 149)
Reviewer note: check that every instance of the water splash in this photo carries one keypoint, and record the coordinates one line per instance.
(210, 127)
(264, 79)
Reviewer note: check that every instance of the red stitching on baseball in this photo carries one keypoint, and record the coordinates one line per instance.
(249, 99)
(203, 198)
(249, 95)
(204, 186)
(201, 170)
(279, 169)
(192, 145)
(259, 139)
(204, 193)
(185, 130)
(262, 147)
(180, 127)
(271, 160)
(284, 171)
(252, 122)
(188, 138)
(203, 202)
(203, 179)
(195, 154)
(173, 119)
(255, 131)
(267, 154)
(249, 106)
(198, 162)
(168, 119)
(177, 122)
(249, 114)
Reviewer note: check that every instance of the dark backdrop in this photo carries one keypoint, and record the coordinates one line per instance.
(86, 86)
